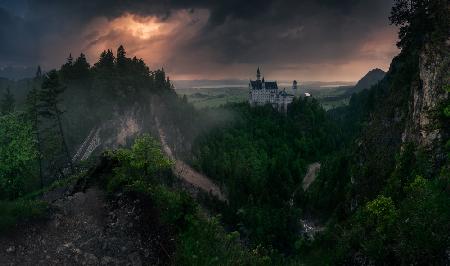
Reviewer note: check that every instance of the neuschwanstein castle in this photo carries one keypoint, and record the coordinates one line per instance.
(263, 92)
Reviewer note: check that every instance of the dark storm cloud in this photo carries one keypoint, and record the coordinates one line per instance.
(286, 34)
(16, 38)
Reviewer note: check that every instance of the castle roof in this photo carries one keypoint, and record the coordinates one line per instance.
(284, 93)
(257, 85)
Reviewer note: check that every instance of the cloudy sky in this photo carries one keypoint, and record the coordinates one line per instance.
(327, 40)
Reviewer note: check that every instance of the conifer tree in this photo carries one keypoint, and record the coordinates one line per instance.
(67, 68)
(33, 116)
(49, 109)
(420, 21)
(106, 61)
(121, 56)
(81, 67)
(7, 103)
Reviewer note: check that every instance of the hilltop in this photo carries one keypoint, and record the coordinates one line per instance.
(370, 79)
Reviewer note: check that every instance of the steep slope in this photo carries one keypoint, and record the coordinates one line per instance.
(370, 79)
(423, 126)
(387, 192)
(88, 228)
(404, 111)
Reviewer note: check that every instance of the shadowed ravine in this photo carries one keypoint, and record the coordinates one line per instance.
(187, 173)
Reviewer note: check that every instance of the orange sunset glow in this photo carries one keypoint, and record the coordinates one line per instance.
(205, 42)
(151, 38)
(141, 28)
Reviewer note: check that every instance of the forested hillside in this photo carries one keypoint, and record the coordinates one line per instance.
(392, 178)
(383, 188)
(260, 158)
(123, 192)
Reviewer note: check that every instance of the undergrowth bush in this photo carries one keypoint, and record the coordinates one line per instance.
(14, 212)
(144, 170)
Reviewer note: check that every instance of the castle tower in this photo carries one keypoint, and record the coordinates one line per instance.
(258, 74)
(294, 85)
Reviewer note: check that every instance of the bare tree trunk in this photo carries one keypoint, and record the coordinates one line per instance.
(66, 149)
(38, 137)
(35, 112)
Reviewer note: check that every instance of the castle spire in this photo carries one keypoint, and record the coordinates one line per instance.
(258, 74)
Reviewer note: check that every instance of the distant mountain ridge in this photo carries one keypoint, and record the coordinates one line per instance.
(370, 79)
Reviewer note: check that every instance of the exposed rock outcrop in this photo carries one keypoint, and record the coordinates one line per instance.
(119, 131)
(422, 125)
(405, 110)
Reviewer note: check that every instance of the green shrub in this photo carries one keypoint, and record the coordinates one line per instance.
(206, 243)
(143, 170)
(14, 212)
(144, 161)
(18, 157)
(175, 206)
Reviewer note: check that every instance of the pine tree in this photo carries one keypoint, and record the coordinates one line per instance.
(49, 109)
(33, 116)
(8, 103)
(81, 67)
(121, 55)
(38, 73)
(106, 61)
(122, 62)
(104, 78)
(420, 21)
(67, 69)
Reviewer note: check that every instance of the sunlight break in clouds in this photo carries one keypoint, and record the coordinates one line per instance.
(142, 28)
(152, 38)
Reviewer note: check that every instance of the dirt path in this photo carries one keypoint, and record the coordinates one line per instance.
(309, 226)
(85, 229)
(313, 170)
(187, 173)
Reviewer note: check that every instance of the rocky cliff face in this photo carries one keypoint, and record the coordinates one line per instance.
(406, 110)
(422, 125)
(119, 131)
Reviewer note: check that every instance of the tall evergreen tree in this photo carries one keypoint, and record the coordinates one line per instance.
(67, 69)
(106, 61)
(33, 116)
(421, 21)
(49, 109)
(8, 102)
(104, 78)
(38, 73)
(121, 55)
(81, 67)
(122, 62)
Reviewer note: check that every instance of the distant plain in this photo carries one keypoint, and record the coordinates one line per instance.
(204, 94)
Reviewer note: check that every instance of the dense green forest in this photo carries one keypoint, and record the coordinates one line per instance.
(261, 158)
(383, 200)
